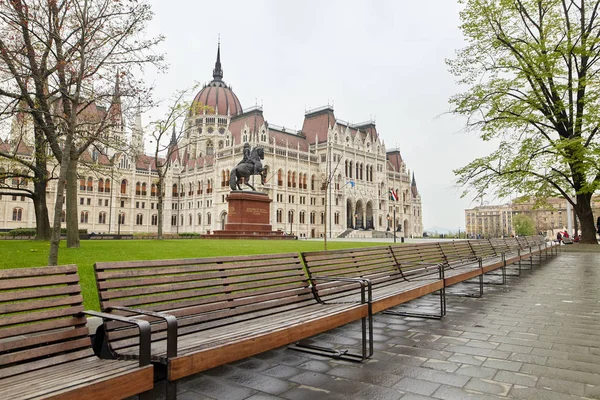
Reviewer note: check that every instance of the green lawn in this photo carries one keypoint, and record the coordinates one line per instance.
(28, 253)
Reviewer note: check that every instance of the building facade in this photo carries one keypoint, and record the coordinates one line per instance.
(496, 220)
(330, 169)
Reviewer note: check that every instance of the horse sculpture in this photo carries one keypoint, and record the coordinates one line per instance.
(246, 169)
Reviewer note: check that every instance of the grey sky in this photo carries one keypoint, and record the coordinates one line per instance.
(379, 59)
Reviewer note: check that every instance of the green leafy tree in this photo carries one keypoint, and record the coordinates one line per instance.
(523, 225)
(531, 70)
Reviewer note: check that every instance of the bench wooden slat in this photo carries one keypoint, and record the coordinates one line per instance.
(45, 344)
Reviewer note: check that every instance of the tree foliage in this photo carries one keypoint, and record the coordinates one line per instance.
(531, 68)
(523, 225)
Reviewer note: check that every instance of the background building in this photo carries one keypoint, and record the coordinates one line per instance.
(496, 220)
(367, 184)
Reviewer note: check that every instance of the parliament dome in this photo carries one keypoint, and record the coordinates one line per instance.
(216, 95)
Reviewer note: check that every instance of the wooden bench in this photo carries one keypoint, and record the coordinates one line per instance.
(461, 263)
(206, 312)
(45, 348)
(394, 280)
(491, 260)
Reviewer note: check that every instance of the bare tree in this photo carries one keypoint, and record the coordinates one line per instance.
(165, 152)
(62, 60)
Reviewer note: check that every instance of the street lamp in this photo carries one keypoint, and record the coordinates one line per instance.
(459, 232)
(119, 224)
(388, 222)
(394, 224)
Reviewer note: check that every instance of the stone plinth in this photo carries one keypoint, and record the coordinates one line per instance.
(248, 217)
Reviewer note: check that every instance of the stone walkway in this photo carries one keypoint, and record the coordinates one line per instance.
(537, 337)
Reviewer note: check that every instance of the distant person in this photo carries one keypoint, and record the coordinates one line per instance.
(559, 237)
(566, 234)
(598, 225)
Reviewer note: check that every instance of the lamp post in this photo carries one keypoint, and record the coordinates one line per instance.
(394, 224)
(459, 232)
(388, 222)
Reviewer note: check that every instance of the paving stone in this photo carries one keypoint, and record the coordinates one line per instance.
(488, 386)
(574, 365)
(592, 391)
(218, 389)
(307, 392)
(516, 378)
(475, 351)
(452, 393)
(261, 382)
(476, 371)
(440, 365)
(521, 392)
(558, 385)
(416, 386)
(557, 373)
(316, 366)
(482, 344)
(502, 364)
(466, 359)
(310, 378)
(367, 376)
(282, 371)
(513, 348)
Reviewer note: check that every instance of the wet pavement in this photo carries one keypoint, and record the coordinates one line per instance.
(537, 337)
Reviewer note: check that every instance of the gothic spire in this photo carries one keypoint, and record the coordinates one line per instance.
(414, 183)
(173, 136)
(117, 93)
(218, 71)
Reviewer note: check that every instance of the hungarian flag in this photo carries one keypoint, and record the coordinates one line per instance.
(393, 195)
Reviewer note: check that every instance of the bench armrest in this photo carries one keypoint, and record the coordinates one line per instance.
(363, 282)
(143, 326)
(169, 319)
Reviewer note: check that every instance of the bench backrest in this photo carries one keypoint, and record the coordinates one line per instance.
(513, 245)
(524, 243)
(203, 290)
(374, 263)
(500, 246)
(483, 248)
(40, 320)
(419, 258)
(457, 252)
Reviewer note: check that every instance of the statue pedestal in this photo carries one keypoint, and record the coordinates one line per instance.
(248, 218)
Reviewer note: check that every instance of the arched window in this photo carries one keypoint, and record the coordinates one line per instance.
(107, 186)
(279, 216)
(322, 218)
(191, 220)
(174, 192)
(280, 178)
(313, 217)
(2, 175)
(121, 219)
(63, 216)
(357, 171)
(346, 168)
(173, 220)
(302, 217)
(138, 188)
(294, 179)
(336, 218)
(312, 182)
(124, 186)
(17, 214)
(81, 184)
(291, 217)
(209, 148)
(102, 218)
(153, 190)
(90, 184)
(100, 185)
(350, 169)
(289, 179)
(223, 179)
(84, 217)
(304, 186)
(199, 219)
(154, 219)
(208, 219)
(191, 189)
(144, 189)
(139, 219)
(209, 187)
(199, 187)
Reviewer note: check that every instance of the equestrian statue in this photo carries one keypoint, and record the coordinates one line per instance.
(250, 165)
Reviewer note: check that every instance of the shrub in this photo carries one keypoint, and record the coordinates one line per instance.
(189, 234)
(22, 232)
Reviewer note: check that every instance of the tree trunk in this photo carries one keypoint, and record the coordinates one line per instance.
(583, 208)
(42, 221)
(60, 190)
(72, 217)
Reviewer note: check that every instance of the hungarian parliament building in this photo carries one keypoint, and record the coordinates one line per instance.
(330, 169)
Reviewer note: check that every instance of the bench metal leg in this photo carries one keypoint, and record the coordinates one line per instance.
(503, 274)
(442, 294)
(367, 344)
(478, 295)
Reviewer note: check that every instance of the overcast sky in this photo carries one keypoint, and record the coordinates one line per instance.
(370, 59)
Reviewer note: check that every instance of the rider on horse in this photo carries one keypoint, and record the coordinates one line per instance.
(247, 159)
